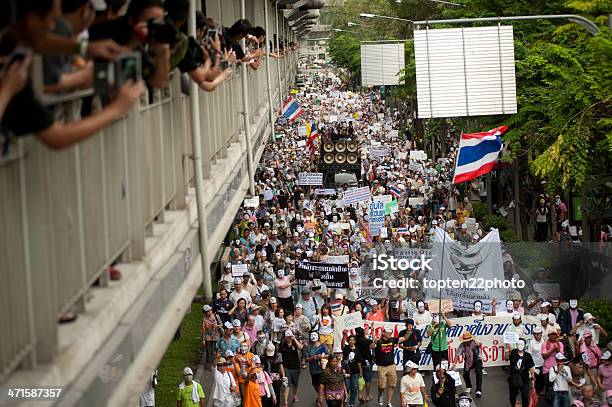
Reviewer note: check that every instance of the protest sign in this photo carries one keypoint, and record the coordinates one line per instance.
(347, 322)
(333, 118)
(415, 166)
(310, 178)
(416, 201)
(393, 133)
(511, 337)
(402, 155)
(382, 198)
(376, 217)
(356, 195)
(325, 191)
(302, 131)
(380, 116)
(345, 226)
(301, 143)
(379, 152)
(251, 202)
(268, 194)
(391, 207)
(333, 275)
(238, 270)
(383, 233)
(489, 331)
(418, 155)
(434, 306)
(471, 225)
(343, 259)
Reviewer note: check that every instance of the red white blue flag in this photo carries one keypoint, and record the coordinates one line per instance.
(291, 109)
(478, 153)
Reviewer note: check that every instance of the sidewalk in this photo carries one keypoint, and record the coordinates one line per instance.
(205, 378)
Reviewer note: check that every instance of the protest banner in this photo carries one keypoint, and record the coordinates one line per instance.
(471, 224)
(251, 202)
(333, 275)
(238, 270)
(310, 178)
(356, 195)
(468, 267)
(416, 201)
(268, 194)
(489, 331)
(333, 118)
(402, 155)
(434, 306)
(302, 131)
(373, 292)
(393, 133)
(301, 143)
(376, 218)
(348, 322)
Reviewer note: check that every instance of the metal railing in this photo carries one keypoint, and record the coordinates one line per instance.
(67, 215)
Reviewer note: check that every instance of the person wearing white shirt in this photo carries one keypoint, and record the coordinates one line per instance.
(561, 377)
(535, 349)
(224, 385)
(147, 397)
(239, 293)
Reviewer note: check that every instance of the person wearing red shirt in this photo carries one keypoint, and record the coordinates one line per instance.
(377, 314)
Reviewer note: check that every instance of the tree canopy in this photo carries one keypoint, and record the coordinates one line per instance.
(564, 77)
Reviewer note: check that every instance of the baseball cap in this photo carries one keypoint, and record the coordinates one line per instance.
(588, 316)
(206, 308)
(229, 354)
(306, 291)
(272, 300)
(288, 333)
(373, 302)
(187, 371)
(434, 222)
(538, 330)
(543, 317)
(236, 323)
(560, 356)
(339, 296)
(270, 349)
(256, 360)
(299, 306)
(606, 355)
(412, 365)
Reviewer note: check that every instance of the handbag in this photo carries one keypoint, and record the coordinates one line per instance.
(533, 398)
(361, 383)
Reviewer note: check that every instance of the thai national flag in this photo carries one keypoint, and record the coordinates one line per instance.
(395, 191)
(478, 153)
(312, 136)
(291, 109)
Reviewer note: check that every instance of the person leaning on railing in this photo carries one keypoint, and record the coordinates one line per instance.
(24, 113)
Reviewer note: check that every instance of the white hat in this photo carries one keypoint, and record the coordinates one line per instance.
(538, 330)
(270, 349)
(373, 302)
(288, 333)
(545, 304)
(206, 308)
(98, 5)
(299, 305)
(434, 222)
(236, 323)
(606, 355)
(228, 325)
(411, 365)
(560, 356)
(337, 349)
(588, 316)
(256, 360)
(339, 296)
(272, 300)
(187, 371)
(229, 354)
(516, 315)
(543, 317)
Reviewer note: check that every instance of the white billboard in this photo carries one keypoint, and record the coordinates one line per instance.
(381, 64)
(465, 71)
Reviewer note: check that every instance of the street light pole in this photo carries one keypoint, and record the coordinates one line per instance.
(590, 26)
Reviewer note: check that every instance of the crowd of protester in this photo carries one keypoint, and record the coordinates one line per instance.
(264, 330)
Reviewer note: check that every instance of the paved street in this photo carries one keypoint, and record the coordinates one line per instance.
(495, 389)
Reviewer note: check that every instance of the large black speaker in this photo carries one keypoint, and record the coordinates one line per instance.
(340, 155)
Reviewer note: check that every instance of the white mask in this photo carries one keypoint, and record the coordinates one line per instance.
(244, 348)
(573, 303)
(280, 274)
(520, 346)
(464, 403)
(436, 319)
(477, 307)
(509, 305)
